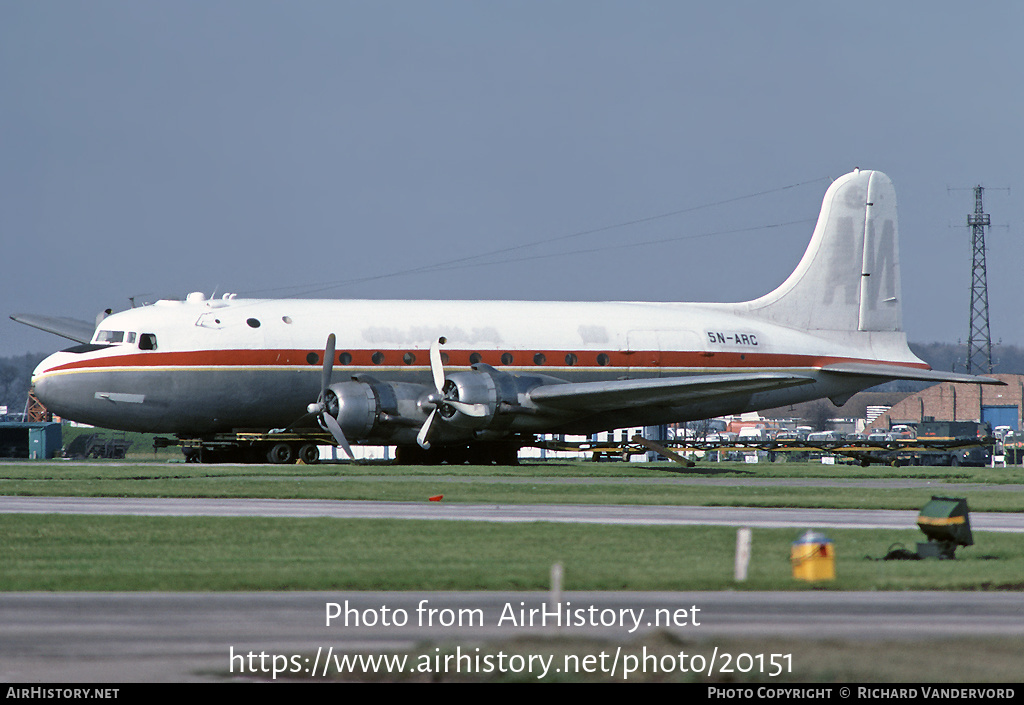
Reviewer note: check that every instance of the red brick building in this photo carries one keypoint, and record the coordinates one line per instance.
(961, 402)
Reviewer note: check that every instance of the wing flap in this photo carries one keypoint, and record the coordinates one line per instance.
(70, 328)
(667, 391)
(863, 369)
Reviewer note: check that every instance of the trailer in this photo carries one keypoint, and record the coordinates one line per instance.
(250, 447)
(288, 447)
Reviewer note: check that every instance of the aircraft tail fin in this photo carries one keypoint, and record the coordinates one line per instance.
(849, 277)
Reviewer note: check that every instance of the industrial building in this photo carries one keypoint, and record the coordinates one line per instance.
(996, 405)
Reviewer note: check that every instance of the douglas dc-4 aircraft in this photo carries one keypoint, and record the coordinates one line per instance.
(456, 380)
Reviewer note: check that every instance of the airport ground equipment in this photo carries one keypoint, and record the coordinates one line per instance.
(813, 557)
(290, 447)
(946, 523)
(1014, 452)
(27, 439)
(96, 445)
(250, 447)
(951, 443)
(284, 448)
(895, 452)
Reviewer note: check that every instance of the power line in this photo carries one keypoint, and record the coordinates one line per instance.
(473, 260)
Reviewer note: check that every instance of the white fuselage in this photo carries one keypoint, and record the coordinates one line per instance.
(230, 363)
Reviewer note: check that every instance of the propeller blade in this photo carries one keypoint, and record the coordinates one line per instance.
(477, 410)
(436, 368)
(421, 437)
(335, 428)
(325, 381)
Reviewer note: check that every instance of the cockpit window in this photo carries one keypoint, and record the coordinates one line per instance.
(147, 341)
(110, 336)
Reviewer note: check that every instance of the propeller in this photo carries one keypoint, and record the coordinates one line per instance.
(435, 397)
(440, 398)
(320, 407)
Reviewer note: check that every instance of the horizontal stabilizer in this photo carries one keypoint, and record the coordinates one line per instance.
(861, 369)
(667, 391)
(70, 328)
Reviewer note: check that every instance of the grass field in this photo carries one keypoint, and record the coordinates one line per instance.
(552, 482)
(93, 553)
(59, 553)
(151, 553)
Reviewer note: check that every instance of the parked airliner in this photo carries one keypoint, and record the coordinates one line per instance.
(447, 380)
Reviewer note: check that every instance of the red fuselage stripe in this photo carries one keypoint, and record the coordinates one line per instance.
(464, 358)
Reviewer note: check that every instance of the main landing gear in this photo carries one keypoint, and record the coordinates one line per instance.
(481, 453)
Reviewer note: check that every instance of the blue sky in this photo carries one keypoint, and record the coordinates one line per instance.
(269, 148)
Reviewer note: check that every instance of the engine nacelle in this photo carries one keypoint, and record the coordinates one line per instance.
(368, 408)
(481, 403)
(356, 406)
(493, 394)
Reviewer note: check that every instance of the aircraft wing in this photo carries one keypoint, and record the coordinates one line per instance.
(70, 328)
(887, 372)
(664, 391)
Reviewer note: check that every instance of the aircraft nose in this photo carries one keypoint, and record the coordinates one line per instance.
(47, 365)
(47, 382)
(42, 368)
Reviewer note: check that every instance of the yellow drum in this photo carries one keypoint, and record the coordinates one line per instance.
(813, 557)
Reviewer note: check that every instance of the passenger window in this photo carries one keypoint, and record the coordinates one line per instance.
(147, 341)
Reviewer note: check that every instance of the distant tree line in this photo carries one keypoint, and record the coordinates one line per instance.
(950, 357)
(15, 376)
(16, 371)
(1006, 359)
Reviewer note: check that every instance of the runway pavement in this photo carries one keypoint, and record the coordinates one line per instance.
(579, 513)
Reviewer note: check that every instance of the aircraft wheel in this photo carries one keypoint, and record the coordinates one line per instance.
(507, 454)
(414, 455)
(405, 455)
(281, 454)
(456, 455)
(309, 454)
(480, 454)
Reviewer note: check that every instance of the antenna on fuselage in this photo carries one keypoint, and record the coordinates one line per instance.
(131, 299)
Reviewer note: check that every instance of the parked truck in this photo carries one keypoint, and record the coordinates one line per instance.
(955, 443)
